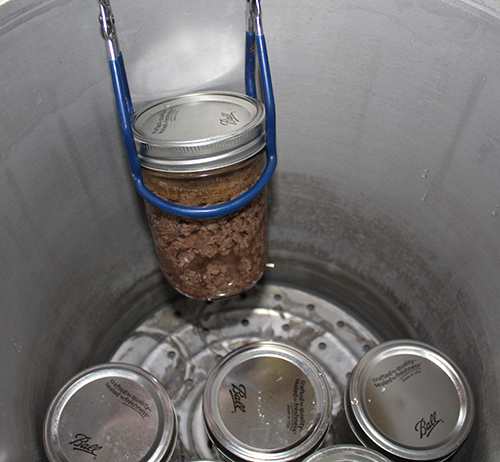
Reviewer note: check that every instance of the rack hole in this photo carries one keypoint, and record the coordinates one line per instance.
(286, 327)
(340, 324)
(322, 345)
(277, 297)
(310, 307)
(245, 322)
(171, 354)
(366, 347)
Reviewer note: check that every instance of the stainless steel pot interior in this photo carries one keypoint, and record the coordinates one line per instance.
(388, 134)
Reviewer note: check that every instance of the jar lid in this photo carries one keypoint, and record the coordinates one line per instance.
(267, 402)
(346, 453)
(200, 132)
(112, 412)
(411, 401)
(363, 438)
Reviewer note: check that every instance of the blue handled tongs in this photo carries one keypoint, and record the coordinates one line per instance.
(255, 48)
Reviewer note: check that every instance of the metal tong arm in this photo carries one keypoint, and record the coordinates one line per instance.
(125, 110)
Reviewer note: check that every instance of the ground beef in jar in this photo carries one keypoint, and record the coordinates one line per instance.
(212, 258)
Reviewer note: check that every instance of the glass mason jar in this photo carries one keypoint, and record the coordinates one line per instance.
(266, 402)
(197, 150)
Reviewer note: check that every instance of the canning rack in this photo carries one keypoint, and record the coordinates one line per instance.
(255, 48)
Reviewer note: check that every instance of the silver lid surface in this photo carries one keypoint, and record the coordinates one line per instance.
(200, 132)
(346, 453)
(267, 401)
(112, 412)
(411, 400)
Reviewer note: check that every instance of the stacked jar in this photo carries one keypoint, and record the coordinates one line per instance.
(409, 401)
(199, 150)
(267, 401)
(111, 412)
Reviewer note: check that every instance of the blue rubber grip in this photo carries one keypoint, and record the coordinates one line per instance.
(250, 85)
(123, 108)
(269, 102)
(125, 113)
(126, 90)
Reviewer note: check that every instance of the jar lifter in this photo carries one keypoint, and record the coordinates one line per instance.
(255, 45)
